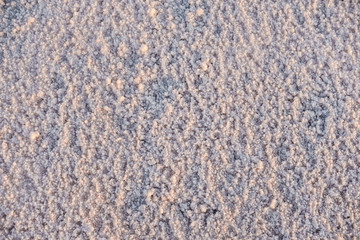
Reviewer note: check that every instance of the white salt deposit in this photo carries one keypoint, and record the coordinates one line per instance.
(179, 119)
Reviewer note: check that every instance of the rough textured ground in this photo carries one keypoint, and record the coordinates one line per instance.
(179, 119)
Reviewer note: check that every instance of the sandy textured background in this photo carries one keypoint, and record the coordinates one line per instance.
(184, 119)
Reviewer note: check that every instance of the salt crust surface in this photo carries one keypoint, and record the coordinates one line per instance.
(184, 119)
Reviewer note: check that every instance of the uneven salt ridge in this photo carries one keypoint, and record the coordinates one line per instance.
(182, 119)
